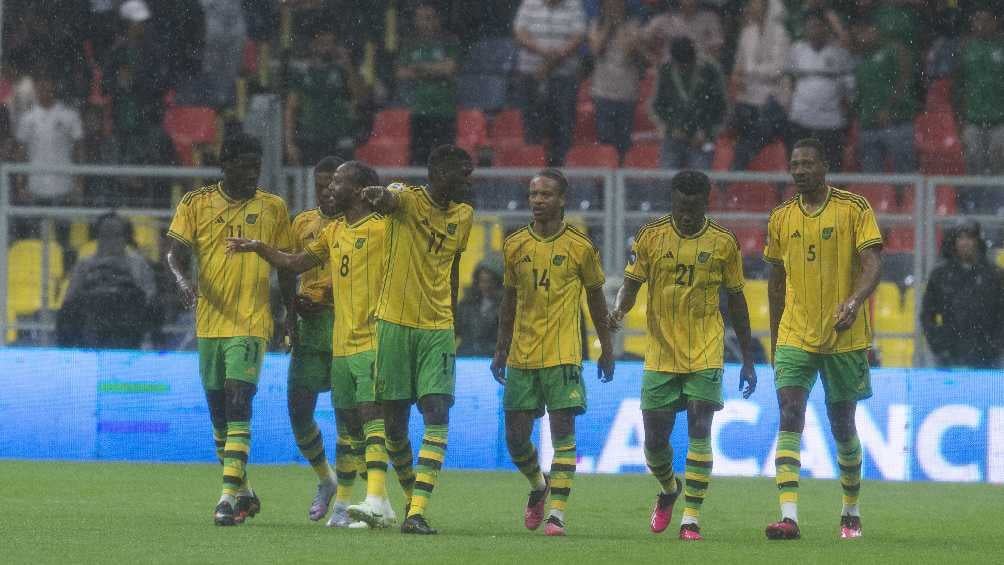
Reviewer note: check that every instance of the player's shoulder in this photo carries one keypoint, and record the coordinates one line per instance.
(199, 194)
(716, 229)
(782, 208)
(848, 199)
(578, 238)
(653, 227)
(269, 199)
(306, 216)
(403, 187)
(516, 238)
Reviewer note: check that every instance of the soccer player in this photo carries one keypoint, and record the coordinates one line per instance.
(824, 247)
(427, 230)
(231, 301)
(686, 258)
(547, 264)
(350, 251)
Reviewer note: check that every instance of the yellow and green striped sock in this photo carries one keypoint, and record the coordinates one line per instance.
(525, 457)
(220, 440)
(849, 461)
(562, 473)
(358, 443)
(402, 458)
(660, 463)
(235, 456)
(376, 459)
(345, 466)
(430, 461)
(788, 464)
(311, 444)
(697, 477)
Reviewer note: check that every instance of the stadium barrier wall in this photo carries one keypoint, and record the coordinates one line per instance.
(920, 425)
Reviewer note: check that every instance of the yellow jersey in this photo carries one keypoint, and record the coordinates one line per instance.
(821, 257)
(684, 273)
(549, 275)
(422, 240)
(353, 254)
(315, 284)
(233, 291)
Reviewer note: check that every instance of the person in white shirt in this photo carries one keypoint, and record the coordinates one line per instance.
(49, 134)
(823, 82)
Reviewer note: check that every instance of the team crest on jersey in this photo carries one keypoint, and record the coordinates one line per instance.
(557, 260)
(827, 233)
(703, 257)
(251, 218)
(360, 242)
(451, 228)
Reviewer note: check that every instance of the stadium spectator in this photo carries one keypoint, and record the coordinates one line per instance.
(979, 95)
(477, 320)
(615, 42)
(688, 107)
(963, 308)
(426, 67)
(49, 134)
(99, 147)
(7, 141)
(324, 93)
(703, 27)
(884, 102)
(897, 20)
(549, 34)
(110, 299)
(757, 80)
(796, 18)
(136, 78)
(225, 36)
(822, 82)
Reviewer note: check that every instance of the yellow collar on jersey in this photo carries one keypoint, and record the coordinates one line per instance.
(542, 239)
(362, 220)
(829, 193)
(700, 232)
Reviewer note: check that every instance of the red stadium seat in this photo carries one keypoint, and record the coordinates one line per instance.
(882, 197)
(751, 197)
(594, 155)
(751, 241)
(945, 201)
(585, 125)
(643, 156)
(938, 145)
(392, 125)
(725, 151)
(384, 154)
(507, 128)
(939, 96)
(520, 156)
(900, 240)
(773, 157)
(188, 126)
(472, 130)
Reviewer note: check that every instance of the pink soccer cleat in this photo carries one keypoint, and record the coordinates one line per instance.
(785, 529)
(690, 532)
(533, 515)
(662, 514)
(554, 527)
(850, 527)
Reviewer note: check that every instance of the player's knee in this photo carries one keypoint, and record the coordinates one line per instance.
(238, 399)
(435, 409)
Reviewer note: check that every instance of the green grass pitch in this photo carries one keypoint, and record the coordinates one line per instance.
(63, 512)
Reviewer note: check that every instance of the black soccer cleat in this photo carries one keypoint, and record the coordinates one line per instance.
(247, 507)
(417, 525)
(224, 514)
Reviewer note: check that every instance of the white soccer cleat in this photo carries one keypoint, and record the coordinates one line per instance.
(373, 513)
(359, 526)
(339, 518)
(389, 517)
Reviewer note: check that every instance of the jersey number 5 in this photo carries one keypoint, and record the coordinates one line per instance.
(811, 253)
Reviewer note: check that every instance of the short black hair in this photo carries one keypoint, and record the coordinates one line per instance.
(447, 153)
(361, 174)
(811, 143)
(557, 176)
(238, 144)
(328, 164)
(691, 183)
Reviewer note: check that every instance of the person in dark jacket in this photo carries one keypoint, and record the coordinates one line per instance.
(477, 319)
(963, 309)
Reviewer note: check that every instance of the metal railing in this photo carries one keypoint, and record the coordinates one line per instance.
(611, 203)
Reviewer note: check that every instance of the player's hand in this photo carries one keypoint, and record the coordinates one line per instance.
(846, 314)
(373, 194)
(305, 305)
(605, 367)
(615, 320)
(498, 367)
(290, 327)
(241, 245)
(188, 295)
(747, 376)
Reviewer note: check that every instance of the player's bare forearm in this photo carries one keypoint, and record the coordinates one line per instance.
(597, 303)
(455, 282)
(775, 299)
(627, 295)
(178, 255)
(507, 321)
(870, 274)
(293, 262)
(739, 314)
(287, 289)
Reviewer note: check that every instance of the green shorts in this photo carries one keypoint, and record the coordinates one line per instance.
(412, 363)
(846, 376)
(556, 388)
(671, 391)
(222, 358)
(314, 332)
(352, 379)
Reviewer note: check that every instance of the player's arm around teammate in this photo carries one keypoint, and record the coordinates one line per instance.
(547, 266)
